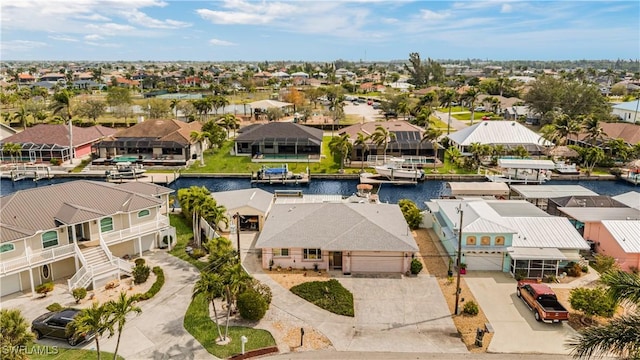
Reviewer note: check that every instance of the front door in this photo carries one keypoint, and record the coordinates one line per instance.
(79, 232)
(337, 260)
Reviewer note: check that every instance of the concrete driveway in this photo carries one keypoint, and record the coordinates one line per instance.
(401, 314)
(516, 330)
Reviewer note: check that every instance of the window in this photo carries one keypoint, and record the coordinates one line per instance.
(485, 240)
(143, 213)
(471, 240)
(50, 238)
(280, 252)
(499, 240)
(312, 254)
(106, 224)
(6, 248)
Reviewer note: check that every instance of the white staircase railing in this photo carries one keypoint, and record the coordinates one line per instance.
(82, 278)
(80, 255)
(113, 260)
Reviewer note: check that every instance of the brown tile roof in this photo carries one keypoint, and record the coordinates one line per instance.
(630, 133)
(59, 134)
(160, 129)
(26, 212)
(26, 77)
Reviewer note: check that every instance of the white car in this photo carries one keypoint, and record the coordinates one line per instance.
(479, 108)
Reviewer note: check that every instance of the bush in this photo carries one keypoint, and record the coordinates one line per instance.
(79, 294)
(155, 288)
(140, 274)
(198, 253)
(44, 288)
(573, 269)
(252, 305)
(55, 307)
(549, 279)
(411, 213)
(520, 275)
(604, 263)
(416, 267)
(592, 302)
(262, 289)
(55, 162)
(471, 308)
(140, 262)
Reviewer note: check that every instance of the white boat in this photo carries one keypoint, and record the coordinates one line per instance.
(522, 171)
(125, 170)
(568, 169)
(393, 169)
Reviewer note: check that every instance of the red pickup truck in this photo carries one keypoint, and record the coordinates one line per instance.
(541, 299)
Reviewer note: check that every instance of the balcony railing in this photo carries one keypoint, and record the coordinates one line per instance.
(117, 236)
(37, 258)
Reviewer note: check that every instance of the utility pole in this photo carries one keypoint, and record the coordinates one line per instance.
(459, 260)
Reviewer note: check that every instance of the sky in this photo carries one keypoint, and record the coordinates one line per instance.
(324, 31)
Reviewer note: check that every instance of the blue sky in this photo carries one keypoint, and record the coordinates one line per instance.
(304, 30)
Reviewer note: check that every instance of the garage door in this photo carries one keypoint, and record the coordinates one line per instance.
(382, 262)
(480, 261)
(9, 284)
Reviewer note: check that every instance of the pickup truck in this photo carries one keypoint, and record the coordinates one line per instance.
(541, 299)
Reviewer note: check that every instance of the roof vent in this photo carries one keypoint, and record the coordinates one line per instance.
(513, 124)
(486, 123)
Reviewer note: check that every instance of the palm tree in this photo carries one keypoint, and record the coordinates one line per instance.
(620, 336)
(200, 137)
(193, 202)
(62, 104)
(447, 98)
(213, 213)
(229, 121)
(119, 310)
(96, 319)
(381, 137)
(593, 129)
(14, 333)
(453, 154)
(337, 111)
(477, 150)
(341, 146)
(210, 286)
(362, 142)
(235, 279)
(174, 106)
(22, 115)
(593, 156)
(403, 108)
(471, 96)
(618, 149)
(12, 149)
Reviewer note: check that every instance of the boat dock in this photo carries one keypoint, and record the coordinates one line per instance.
(369, 178)
(155, 178)
(34, 172)
(301, 179)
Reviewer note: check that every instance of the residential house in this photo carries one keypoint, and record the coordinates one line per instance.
(351, 237)
(521, 112)
(152, 142)
(53, 77)
(26, 79)
(78, 230)
(509, 134)
(621, 240)
(627, 111)
(540, 194)
(629, 133)
(589, 219)
(277, 140)
(555, 205)
(631, 199)
(6, 131)
(46, 142)
(251, 205)
(511, 236)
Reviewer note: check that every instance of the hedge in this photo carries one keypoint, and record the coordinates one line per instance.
(157, 285)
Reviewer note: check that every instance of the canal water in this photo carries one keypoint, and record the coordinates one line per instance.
(419, 193)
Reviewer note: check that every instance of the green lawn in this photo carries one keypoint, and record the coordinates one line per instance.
(453, 109)
(476, 116)
(41, 352)
(198, 323)
(184, 234)
(329, 295)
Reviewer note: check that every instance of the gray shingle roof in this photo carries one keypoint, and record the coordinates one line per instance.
(280, 130)
(337, 227)
(254, 198)
(27, 212)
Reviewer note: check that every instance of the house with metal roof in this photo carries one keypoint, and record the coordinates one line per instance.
(621, 240)
(627, 111)
(631, 199)
(276, 141)
(589, 219)
(509, 134)
(79, 231)
(252, 205)
(511, 236)
(540, 194)
(351, 237)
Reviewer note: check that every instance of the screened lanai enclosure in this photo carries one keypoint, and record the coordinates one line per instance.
(142, 150)
(289, 147)
(34, 153)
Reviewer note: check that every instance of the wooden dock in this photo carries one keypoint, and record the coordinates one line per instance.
(369, 178)
(299, 179)
(155, 178)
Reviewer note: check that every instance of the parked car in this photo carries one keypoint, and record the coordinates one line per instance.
(479, 108)
(54, 325)
(541, 299)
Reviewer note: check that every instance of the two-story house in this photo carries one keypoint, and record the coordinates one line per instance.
(79, 230)
(505, 235)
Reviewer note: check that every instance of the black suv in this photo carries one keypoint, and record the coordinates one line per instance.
(54, 325)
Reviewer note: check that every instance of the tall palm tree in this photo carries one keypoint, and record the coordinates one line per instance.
(235, 279)
(193, 201)
(471, 96)
(96, 319)
(362, 141)
(211, 286)
(381, 137)
(593, 129)
(119, 310)
(341, 146)
(620, 336)
(62, 104)
(174, 106)
(22, 115)
(200, 138)
(447, 97)
(229, 121)
(214, 214)
(592, 157)
(453, 154)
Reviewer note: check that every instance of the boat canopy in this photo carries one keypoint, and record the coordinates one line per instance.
(526, 164)
(478, 188)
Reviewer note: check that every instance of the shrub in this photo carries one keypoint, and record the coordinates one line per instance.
(55, 307)
(416, 267)
(55, 162)
(592, 302)
(549, 278)
(44, 288)
(155, 288)
(520, 275)
(140, 274)
(585, 269)
(198, 253)
(411, 213)
(262, 289)
(471, 308)
(574, 269)
(79, 294)
(140, 262)
(604, 263)
(251, 305)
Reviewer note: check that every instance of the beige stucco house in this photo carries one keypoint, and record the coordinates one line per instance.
(79, 230)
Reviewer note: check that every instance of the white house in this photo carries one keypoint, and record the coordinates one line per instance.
(627, 111)
(510, 134)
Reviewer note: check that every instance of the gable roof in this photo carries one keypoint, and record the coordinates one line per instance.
(594, 214)
(59, 134)
(369, 128)
(161, 129)
(602, 201)
(631, 199)
(546, 232)
(498, 132)
(254, 198)
(280, 130)
(337, 227)
(625, 232)
(629, 105)
(27, 212)
(630, 133)
(144, 188)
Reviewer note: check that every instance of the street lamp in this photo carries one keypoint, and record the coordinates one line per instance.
(459, 260)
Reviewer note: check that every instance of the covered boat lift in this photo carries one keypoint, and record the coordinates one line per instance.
(496, 189)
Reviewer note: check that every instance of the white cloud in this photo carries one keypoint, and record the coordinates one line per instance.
(218, 42)
(20, 45)
(102, 44)
(110, 28)
(62, 38)
(139, 18)
(506, 8)
(427, 14)
(93, 37)
(93, 17)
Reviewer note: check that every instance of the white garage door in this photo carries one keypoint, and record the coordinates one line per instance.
(382, 262)
(483, 261)
(9, 284)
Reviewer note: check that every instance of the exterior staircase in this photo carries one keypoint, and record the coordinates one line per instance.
(97, 265)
